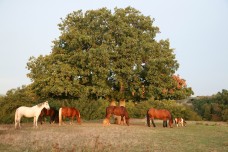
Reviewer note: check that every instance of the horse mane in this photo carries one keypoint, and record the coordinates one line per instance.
(40, 104)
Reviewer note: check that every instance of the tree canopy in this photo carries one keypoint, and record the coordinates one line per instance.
(105, 54)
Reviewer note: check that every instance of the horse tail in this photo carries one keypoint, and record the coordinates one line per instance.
(16, 119)
(126, 117)
(60, 116)
(171, 117)
(79, 114)
(79, 117)
(148, 118)
(171, 120)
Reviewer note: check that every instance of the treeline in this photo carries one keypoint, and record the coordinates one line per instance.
(213, 108)
(89, 109)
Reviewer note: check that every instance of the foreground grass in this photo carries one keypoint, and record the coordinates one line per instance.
(92, 136)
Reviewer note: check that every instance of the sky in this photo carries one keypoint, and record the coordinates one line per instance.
(197, 31)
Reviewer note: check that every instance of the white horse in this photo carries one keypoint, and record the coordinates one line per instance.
(30, 112)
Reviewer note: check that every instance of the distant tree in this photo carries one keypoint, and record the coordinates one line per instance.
(222, 97)
(207, 111)
(102, 54)
(214, 107)
(225, 114)
(14, 98)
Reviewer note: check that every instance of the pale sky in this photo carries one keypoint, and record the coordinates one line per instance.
(197, 30)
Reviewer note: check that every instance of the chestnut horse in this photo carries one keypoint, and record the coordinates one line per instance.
(52, 113)
(70, 113)
(159, 114)
(118, 111)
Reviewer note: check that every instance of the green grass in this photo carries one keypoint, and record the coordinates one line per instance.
(92, 136)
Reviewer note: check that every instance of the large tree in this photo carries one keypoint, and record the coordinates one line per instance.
(100, 53)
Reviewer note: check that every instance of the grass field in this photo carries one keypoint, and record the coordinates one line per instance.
(92, 136)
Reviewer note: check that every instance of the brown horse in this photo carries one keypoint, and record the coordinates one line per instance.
(159, 114)
(70, 113)
(118, 111)
(52, 113)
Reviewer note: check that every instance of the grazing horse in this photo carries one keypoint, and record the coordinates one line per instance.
(180, 122)
(159, 114)
(52, 113)
(118, 111)
(29, 112)
(69, 112)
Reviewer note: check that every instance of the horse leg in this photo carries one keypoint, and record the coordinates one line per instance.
(19, 122)
(71, 121)
(64, 117)
(53, 118)
(35, 121)
(41, 120)
(182, 122)
(163, 123)
(153, 122)
(16, 122)
(17, 119)
(122, 121)
(50, 119)
(148, 120)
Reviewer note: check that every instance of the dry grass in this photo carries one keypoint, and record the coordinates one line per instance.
(93, 136)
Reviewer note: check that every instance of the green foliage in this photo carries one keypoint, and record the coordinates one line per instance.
(213, 108)
(100, 53)
(15, 98)
(89, 109)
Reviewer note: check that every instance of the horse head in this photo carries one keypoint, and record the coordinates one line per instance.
(46, 105)
(171, 123)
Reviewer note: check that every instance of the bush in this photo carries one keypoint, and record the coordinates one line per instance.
(95, 109)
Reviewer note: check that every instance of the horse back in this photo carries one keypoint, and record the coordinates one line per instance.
(75, 112)
(26, 111)
(69, 112)
(120, 110)
(116, 110)
(159, 114)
